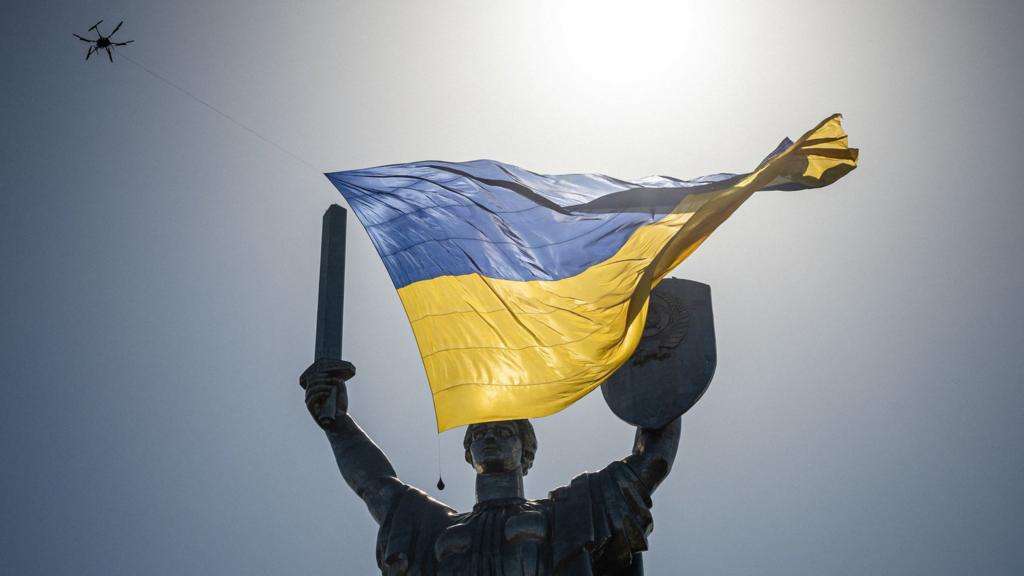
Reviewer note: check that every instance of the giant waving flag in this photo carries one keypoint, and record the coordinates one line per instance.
(526, 291)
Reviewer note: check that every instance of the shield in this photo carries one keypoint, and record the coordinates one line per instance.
(674, 361)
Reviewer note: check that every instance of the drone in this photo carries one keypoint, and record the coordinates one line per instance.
(103, 42)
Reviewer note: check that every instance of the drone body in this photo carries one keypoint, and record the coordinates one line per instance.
(102, 42)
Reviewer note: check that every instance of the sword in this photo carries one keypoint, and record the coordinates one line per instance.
(331, 302)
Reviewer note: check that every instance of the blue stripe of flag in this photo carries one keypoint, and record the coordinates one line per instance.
(430, 219)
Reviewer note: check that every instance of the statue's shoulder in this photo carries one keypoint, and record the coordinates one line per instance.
(607, 512)
(406, 537)
(617, 473)
(413, 494)
(413, 504)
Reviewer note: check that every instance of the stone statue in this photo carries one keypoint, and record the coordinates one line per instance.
(597, 525)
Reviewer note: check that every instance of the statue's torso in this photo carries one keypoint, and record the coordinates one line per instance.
(596, 526)
(506, 538)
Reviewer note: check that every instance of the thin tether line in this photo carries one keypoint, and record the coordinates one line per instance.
(219, 112)
(440, 476)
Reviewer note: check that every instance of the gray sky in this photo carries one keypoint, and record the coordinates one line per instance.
(159, 268)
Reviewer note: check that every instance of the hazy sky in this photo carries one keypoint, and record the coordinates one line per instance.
(159, 272)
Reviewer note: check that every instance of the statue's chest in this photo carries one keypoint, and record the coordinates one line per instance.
(511, 540)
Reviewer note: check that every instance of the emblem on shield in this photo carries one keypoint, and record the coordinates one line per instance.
(675, 360)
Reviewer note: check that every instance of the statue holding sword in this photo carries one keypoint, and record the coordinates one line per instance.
(596, 525)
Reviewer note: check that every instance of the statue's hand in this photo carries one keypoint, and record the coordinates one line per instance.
(324, 382)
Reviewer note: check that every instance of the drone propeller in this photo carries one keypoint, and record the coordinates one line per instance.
(82, 39)
(116, 28)
(95, 25)
(123, 43)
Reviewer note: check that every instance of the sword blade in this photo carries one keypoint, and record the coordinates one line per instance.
(331, 298)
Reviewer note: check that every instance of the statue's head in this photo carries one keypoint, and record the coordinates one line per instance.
(500, 446)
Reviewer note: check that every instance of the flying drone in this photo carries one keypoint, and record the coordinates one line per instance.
(103, 42)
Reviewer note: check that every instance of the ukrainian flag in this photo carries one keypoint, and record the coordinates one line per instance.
(526, 291)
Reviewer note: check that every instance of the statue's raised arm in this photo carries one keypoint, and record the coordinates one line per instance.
(362, 463)
(654, 451)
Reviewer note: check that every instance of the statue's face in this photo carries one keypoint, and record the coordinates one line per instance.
(495, 447)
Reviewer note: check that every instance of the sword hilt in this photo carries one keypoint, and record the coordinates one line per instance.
(328, 369)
